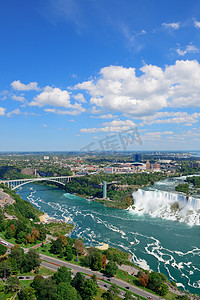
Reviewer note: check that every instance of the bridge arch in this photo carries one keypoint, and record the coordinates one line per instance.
(36, 180)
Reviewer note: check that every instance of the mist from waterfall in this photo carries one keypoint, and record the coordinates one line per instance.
(167, 205)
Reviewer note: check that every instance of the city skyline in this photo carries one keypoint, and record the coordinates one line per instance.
(75, 73)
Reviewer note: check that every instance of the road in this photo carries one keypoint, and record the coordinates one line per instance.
(54, 263)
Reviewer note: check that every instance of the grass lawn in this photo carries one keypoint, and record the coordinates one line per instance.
(25, 282)
(45, 250)
(170, 296)
(42, 271)
(2, 235)
(6, 296)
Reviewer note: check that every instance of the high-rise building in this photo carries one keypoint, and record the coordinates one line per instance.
(104, 189)
(148, 165)
(156, 166)
(137, 157)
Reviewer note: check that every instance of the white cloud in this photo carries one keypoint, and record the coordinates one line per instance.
(57, 98)
(2, 111)
(52, 96)
(196, 24)
(18, 98)
(114, 126)
(187, 49)
(170, 118)
(14, 112)
(44, 125)
(17, 85)
(173, 26)
(118, 89)
(107, 116)
(80, 98)
(77, 111)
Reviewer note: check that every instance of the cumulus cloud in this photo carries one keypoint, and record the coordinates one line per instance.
(187, 49)
(78, 110)
(173, 26)
(57, 98)
(80, 98)
(196, 24)
(107, 116)
(118, 89)
(2, 111)
(14, 112)
(18, 98)
(170, 118)
(17, 85)
(114, 126)
(52, 96)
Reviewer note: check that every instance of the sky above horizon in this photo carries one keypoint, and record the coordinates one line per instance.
(99, 75)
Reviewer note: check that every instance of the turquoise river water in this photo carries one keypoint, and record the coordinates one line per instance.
(167, 246)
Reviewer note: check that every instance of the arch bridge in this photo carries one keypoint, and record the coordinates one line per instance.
(14, 184)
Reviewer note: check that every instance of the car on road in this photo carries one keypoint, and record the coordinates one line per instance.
(27, 277)
(149, 298)
(105, 285)
(4, 243)
(127, 287)
(21, 277)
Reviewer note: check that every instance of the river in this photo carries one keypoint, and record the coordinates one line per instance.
(167, 246)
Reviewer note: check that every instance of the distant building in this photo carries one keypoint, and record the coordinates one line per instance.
(137, 157)
(29, 171)
(109, 170)
(148, 165)
(156, 166)
(104, 189)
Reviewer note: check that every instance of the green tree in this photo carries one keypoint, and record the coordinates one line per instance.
(9, 233)
(94, 258)
(17, 256)
(3, 249)
(5, 269)
(56, 247)
(21, 237)
(36, 284)
(27, 293)
(12, 284)
(128, 296)
(163, 289)
(62, 275)
(47, 290)
(89, 289)
(78, 281)
(111, 268)
(114, 290)
(108, 296)
(31, 261)
(66, 291)
(68, 253)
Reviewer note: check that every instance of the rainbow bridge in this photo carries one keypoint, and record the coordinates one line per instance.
(14, 184)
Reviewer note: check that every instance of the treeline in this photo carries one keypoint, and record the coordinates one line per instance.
(23, 232)
(187, 169)
(90, 185)
(195, 180)
(12, 172)
(183, 187)
(21, 209)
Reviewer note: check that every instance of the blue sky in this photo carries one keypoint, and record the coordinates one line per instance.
(84, 73)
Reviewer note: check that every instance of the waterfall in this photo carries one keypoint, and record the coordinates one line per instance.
(167, 205)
